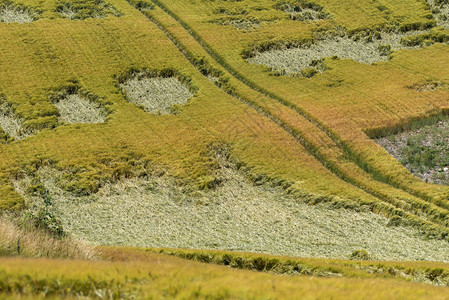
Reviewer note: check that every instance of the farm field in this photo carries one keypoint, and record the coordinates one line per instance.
(316, 130)
(132, 273)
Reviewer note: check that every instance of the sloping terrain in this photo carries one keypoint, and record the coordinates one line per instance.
(290, 127)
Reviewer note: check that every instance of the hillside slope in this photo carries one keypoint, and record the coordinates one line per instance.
(248, 125)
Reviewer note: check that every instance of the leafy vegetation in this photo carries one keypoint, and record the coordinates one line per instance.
(423, 151)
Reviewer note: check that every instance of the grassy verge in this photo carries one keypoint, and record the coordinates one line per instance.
(132, 273)
(431, 273)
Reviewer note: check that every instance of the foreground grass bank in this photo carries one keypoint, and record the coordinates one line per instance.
(139, 274)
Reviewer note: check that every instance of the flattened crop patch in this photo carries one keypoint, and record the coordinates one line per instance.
(237, 215)
(12, 13)
(77, 109)
(156, 95)
(440, 11)
(10, 123)
(300, 60)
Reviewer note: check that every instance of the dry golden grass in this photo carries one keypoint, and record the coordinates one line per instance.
(32, 242)
(136, 274)
(304, 135)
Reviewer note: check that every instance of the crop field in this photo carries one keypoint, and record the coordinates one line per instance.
(132, 273)
(12, 13)
(314, 129)
(236, 216)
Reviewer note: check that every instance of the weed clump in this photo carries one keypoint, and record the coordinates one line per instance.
(428, 85)
(301, 10)
(39, 210)
(360, 255)
(84, 9)
(20, 238)
(229, 11)
(435, 35)
(239, 22)
(423, 151)
(13, 13)
(141, 5)
(156, 92)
